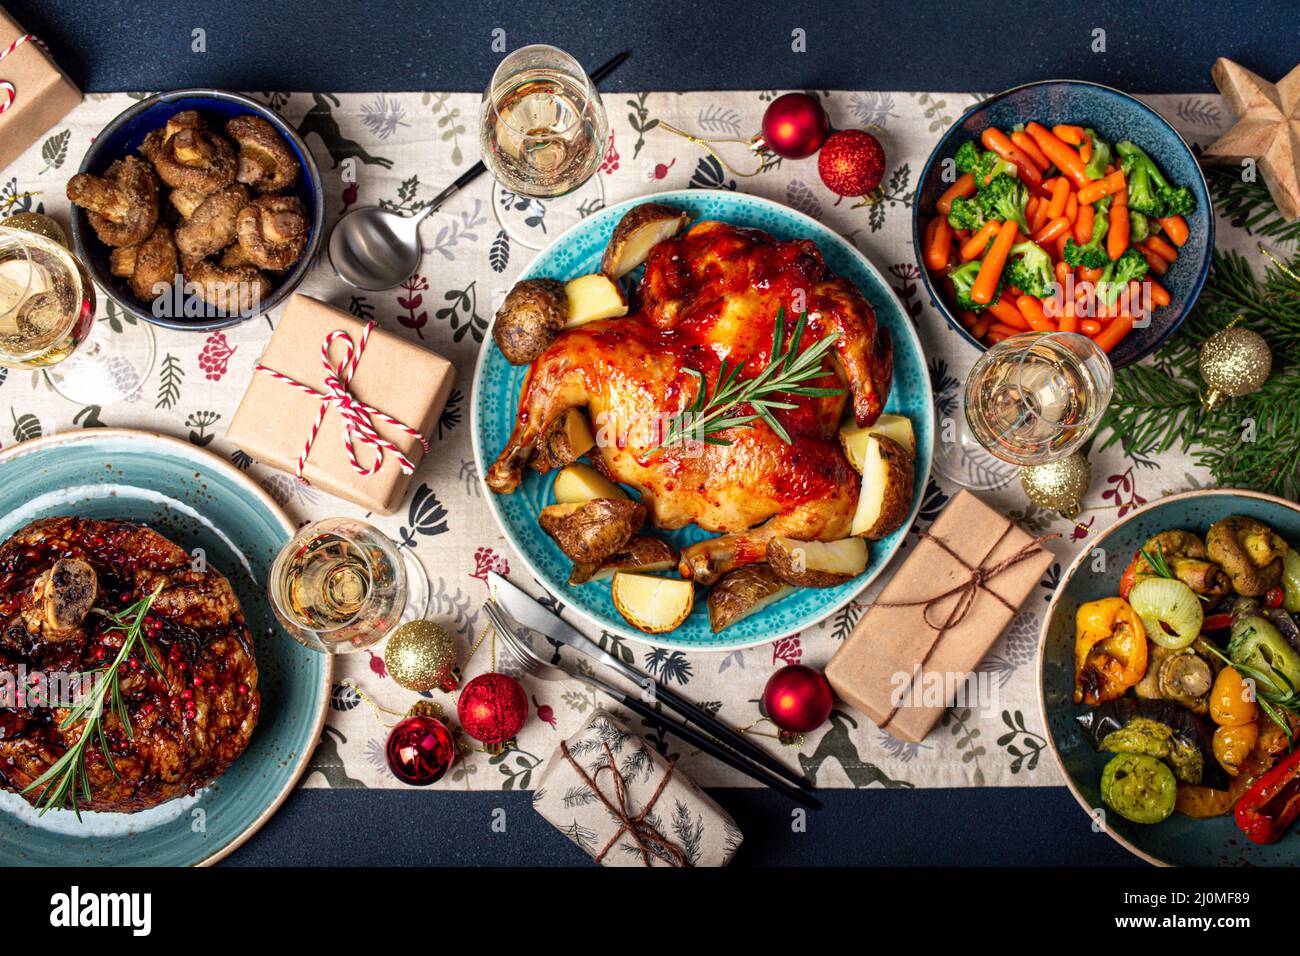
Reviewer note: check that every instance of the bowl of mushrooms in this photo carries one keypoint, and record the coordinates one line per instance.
(197, 209)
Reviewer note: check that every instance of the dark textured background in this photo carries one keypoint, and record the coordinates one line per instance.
(112, 45)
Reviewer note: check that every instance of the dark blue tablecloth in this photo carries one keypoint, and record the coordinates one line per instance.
(110, 45)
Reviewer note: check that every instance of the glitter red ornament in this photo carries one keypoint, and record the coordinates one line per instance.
(795, 126)
(492, 708)
(797, 698)
(852, 162)
(420, 749)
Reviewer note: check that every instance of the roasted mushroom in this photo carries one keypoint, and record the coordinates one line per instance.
(530, 318)
(211, 226)
(273, 231)
(1249, 552)
(1188, 559)
(122, 205)
(1182, 676)
(150, 267)
(233, 291)
(266, 163)
(191, 158)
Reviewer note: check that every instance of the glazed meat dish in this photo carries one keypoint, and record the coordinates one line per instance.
(711, 294)
(186, 726)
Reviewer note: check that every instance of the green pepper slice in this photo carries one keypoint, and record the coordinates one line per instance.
(1139, 788)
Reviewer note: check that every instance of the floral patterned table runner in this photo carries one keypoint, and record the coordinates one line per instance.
(406, 147)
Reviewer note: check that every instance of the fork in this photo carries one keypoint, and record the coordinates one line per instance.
(523, 655)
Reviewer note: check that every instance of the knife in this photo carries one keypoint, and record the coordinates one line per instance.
(528, 612)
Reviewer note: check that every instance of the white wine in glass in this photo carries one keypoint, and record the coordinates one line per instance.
(47, 302)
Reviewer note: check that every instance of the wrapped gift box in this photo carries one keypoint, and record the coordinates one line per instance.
(394, 376)
(43, 94)
(901, 645)
(653, 815)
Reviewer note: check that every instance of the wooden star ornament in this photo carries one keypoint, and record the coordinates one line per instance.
(1267, 129)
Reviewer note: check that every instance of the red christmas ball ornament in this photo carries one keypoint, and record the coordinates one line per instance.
(795, 126)
(492, 708)
(797, 699)
(852, 162)
(420, 749)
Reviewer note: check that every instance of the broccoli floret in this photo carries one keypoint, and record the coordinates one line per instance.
(1101, 154)
(1116, 276)
(967, 157)
(966, 214)
(1093, 254)
(963, 277)
(1148, 191)
(1005, 198)
(1029, 269)
(1139, 227)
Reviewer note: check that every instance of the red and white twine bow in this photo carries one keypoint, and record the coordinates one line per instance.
(357, 425)
(8, 93)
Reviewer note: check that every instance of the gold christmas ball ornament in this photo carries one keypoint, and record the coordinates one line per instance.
(1234, 362)
(38, 223)
(1060, 485)
(421, 656)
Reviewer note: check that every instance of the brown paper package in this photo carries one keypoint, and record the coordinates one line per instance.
(43, 93)
(892, 641)
(396, 376)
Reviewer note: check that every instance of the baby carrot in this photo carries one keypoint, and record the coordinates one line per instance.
(1060, 193)
(1059, 226)
(936, 247)
(1117, 236)
(999, 328)
(1069, 320)
(1005, 311)
(996, 140)
(974, 247)
(1030, 149)
(1085, 150)
(1115, 330)
(1065, 158)
(1090, 327)
(968, 319)
(1101, 188)
(1062, 273)
(964, 187)
(1072, 207)
(1176, 227)
(1162, 248)
(986, 282)
(1157, 263)
(981, 326)
(1089, 275)
(1159, 294)
(1032, 310)
(1037, 211)
(993, 338)
(1068, 134)
(1083, 225)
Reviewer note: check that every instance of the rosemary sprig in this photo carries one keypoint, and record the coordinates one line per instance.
(66, 778)
(1272, 703)
(784, 374)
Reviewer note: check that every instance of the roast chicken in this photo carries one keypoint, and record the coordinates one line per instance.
(711, 295)
(187, 724)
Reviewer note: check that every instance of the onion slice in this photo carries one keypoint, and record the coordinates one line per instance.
(1166, 606)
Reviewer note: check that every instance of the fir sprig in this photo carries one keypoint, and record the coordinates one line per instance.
(66, 782)
(1248, 204)
(1252, 441)
(786, 371)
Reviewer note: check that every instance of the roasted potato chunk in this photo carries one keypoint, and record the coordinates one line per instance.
(743, 592)
(530, 318)
(565, 440)
(642, 553)
(641, 229)
(816, 564)
(588, 532)
(886, 496)
(578, 482)
(592, 298)
(854, 439)
(652, 604)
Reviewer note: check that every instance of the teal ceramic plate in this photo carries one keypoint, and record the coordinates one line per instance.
(496, 397)
(198, 501)
(1177, 841)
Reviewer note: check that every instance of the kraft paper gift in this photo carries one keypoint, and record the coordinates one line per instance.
(394, 376)
(937, 617)
(42, 93)
(617, 798)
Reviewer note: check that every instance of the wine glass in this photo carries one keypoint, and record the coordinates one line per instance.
(47, 315)
(341, 585)
(1031, 399)
(543, 134)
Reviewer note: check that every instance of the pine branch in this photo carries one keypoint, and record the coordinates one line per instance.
(1248, 205)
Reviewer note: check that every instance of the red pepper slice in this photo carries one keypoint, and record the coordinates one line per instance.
(1217, 622)
(1129, 578)
(1272, 804)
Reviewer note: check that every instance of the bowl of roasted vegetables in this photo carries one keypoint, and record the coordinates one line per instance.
(1067, 206)
(1169, 679)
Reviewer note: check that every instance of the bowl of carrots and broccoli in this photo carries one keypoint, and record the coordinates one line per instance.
(1064, 205)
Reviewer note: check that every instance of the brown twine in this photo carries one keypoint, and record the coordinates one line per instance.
(646, 836)
(968, 590)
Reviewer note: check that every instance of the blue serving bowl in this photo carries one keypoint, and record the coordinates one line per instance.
(122, 137)
(1179, 840)
(1116, 116)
